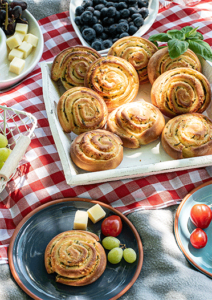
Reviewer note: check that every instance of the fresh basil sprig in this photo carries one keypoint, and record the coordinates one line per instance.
(180, 40)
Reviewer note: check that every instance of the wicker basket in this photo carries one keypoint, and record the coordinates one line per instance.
(18, 127)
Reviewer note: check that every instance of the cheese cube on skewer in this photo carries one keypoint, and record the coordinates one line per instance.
(31, 39)
(26, 48)
(22, 28)
(17, 65)
(15, 53)
(81, 220)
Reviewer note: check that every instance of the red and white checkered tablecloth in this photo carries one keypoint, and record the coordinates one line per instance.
(40, 177)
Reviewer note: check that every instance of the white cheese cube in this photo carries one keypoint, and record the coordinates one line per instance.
(96, 213)
(15, 53)
(81, 220)
(31, 39)
(17, 65)
(26, 48)
(21, 35)
(13, 41)
(22, 28)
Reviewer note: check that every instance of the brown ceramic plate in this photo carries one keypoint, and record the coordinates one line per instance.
(28, 243)
(183, 227)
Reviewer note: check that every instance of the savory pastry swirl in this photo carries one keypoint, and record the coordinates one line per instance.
(161, 62)
(71, 65)
(188, 135)
(76, 256)
(181, 91)
(80, 109)
(136, 123)
(137, 51)
(114, 79)
(97, 150)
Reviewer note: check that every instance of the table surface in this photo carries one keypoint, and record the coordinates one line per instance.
(166, 274)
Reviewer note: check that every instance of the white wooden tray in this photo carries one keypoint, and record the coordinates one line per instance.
(147, 160)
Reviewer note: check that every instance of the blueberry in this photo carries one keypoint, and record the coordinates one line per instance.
(104, 36)
(98, 28)
(93, 21)
(113, 30)
(121, 6)
(115, 40)
(132, 2)
(106, 44)
(134, 16)
(90, 9)
(138, 22)
(87, 3)
(103, 2)
(77, 20)
(109, 4)
(124, 34)
(83, 27)
(86, 17)
(103, 12)
(143, 3)
(106, 30)
(108, 21)
(144, 12)
(111, 12)
(115, 5)
(89, 34)
(123, 20)
(132, 10)
(96, 45)
(117, 16)
(79, 10)
(99, 7)
(132, 29)
(131, 24)
(122, 27)
(97, 13)
(125, 13)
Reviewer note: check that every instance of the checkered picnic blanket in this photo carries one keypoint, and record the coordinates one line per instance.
(40, 177)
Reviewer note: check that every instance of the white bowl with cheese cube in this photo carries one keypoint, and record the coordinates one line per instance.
(23, 52)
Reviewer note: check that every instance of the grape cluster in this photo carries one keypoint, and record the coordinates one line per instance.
(103, 22)
(11, 14)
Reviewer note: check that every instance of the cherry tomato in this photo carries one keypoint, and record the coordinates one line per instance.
(198, 238)
(112, 226)
(201, 215)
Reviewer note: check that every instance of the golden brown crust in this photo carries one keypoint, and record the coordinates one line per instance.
(80, 109)
(137, 51)
(97, 150)
(136, 123)
(181, 91)
(161, 62)
(76, 257)
(188, 135)
(114, 79)
(71, 65)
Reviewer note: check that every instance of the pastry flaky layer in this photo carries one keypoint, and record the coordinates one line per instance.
(161, 62)
(71, 65)
(97, 150)
(136, 123)
(80, 109)
(188, 135)
(114, 79)
(137, 51)
(181, 91)
(76, 256)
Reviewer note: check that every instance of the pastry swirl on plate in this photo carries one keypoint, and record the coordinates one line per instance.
(137, 51)
(136, 123)
(114, 79)
(71, 65)
(97, 150)
(181, 91)
(76, 256)
(80, 109)
(161, 62)
(188, 135)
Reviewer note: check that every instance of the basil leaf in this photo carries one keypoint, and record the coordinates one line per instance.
(176, 48)
(186, 29)
(201, 48)
(176, 34)
(197, 36)
(160, 37)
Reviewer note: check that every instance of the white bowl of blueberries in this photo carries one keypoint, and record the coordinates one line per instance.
(100, 23)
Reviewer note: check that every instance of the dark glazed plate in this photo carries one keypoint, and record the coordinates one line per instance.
(29, 241)
(183, 227)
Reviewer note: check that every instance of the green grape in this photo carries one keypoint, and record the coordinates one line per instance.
(129, 255)
(3, 141)
(4, 153)
(115, 255)
(110, 242)
(1, 165)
